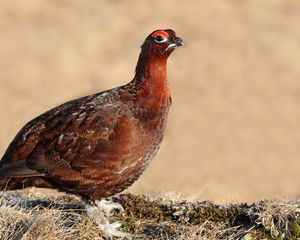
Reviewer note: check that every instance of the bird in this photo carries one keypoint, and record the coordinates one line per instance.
(98, 145)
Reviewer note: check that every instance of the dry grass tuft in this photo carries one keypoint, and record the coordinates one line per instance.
(34, 214)
(37, 223)
(43, 218)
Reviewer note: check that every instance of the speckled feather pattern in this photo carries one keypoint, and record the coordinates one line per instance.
(98, 145)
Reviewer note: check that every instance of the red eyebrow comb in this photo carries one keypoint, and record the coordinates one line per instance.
(161, 33)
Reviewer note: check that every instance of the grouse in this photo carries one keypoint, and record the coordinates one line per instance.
(98, 145)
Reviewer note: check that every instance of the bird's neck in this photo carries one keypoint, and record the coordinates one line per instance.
(151, 79)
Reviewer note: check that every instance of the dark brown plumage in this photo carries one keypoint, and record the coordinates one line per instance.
(98, 145)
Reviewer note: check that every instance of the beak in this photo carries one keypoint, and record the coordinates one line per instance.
(178, 42)
(175, 42)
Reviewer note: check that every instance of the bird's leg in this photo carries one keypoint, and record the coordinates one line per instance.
(99, 215)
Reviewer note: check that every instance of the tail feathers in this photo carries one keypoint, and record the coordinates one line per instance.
(18, 169)
(17, 175)
(21, 183)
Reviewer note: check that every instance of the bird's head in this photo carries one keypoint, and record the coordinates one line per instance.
(161, 43)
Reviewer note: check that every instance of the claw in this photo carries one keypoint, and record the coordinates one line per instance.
(107, 206)
(98, 215)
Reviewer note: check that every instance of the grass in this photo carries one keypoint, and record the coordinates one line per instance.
(40, 214)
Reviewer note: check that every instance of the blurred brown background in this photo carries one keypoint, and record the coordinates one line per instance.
(234, 128)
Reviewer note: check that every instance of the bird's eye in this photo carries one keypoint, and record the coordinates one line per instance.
(160, 39)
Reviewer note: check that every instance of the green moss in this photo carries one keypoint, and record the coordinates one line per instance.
(211, 212)
(155, 218)
(138, 207)
(294, 227)
(247, 237)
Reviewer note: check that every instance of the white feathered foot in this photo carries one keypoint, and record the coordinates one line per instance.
(99, 215)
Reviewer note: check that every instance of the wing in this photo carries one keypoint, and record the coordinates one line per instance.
(79, 139)
(76, 136)
(43, 129)
(27, 138)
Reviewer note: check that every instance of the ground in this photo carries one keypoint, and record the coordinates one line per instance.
(43, 214)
